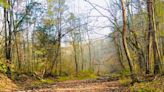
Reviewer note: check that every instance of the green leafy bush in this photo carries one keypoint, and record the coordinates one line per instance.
(3, 68)
(124, 72)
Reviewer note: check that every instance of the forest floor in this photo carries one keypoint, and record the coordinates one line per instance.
(81, 86)
(84, 85)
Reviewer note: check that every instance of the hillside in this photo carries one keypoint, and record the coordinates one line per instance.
(6, 84)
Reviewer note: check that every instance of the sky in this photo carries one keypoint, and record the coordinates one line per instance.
(81, 7)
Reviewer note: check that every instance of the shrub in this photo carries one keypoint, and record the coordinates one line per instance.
(3, 68)
(124, 72)
(125, 81)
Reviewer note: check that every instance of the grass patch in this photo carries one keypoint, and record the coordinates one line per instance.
(47, 81)
(37, 83)
(64, 78)
(82, 75)
(153, 86)
(28, 82)
(86, 75)
(125, 81)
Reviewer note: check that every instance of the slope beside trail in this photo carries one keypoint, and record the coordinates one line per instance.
(6, 85)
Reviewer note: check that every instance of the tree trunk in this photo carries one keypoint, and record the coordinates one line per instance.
(152, 34)
(118, 48)
(8, 17)
(75, 58)
(127, 52)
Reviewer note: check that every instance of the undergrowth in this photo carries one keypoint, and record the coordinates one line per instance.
(151, 86)
(82, 75)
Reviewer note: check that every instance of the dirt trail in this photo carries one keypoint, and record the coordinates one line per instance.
(82, 86)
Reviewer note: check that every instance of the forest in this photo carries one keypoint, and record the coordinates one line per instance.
(81, 45)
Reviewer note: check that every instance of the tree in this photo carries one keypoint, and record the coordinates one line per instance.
(56, 10)
(8, 17)
(133, 76)
(152, 40)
